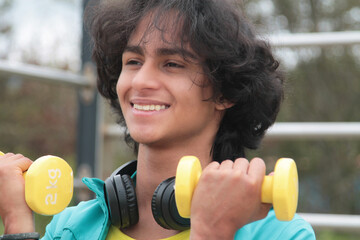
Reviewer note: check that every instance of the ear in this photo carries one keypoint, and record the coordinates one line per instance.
(223, 104)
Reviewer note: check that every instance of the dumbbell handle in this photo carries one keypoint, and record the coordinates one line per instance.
(280, 189)
(48, 185)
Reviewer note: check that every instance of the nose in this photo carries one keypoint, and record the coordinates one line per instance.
(147, 77)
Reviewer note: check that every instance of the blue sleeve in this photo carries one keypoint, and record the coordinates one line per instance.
(49, 232)
(85, 221)
(55, 229)
(271, 228)
(296, 230)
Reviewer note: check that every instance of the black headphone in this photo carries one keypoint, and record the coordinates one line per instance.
(121, 200)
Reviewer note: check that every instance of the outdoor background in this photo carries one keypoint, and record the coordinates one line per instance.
(323, 85)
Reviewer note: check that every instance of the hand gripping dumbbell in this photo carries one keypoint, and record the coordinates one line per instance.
(280, 189)
(48, 185)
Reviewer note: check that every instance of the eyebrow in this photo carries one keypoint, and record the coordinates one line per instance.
(134, 49)
(162, 51)
(176, 51)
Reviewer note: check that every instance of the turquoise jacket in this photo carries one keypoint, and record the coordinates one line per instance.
(89, 220)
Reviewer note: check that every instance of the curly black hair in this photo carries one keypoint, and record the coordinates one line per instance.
(238, 64)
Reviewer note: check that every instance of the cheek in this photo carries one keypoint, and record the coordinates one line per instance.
(120, 90)
(198, 102)
(120, 87)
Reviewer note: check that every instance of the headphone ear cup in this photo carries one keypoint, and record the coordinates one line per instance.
(164, 208)
(112, 202)
(121, 201)
(131, 199)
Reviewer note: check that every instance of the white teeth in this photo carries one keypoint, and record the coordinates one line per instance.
(149, 107)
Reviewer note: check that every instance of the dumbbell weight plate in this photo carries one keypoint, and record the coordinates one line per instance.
(285, 189)
(48, 185)
(188, 173)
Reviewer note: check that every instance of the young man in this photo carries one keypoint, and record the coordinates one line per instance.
(186, 77)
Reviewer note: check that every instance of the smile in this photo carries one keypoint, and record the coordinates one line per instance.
(149, 107)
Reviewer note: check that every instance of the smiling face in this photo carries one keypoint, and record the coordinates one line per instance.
(163, 92)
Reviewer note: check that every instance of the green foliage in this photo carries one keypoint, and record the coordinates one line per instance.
(324, 86)
(333, 235)
(37, 119)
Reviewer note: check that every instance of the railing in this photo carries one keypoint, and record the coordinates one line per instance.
(340, 222)
(43, 74)
(314, 130)
(31, 72)
(287, 130)
(278, 131)
(315, 39)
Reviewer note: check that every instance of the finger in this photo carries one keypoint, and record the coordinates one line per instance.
(227, 164)
(262, 211)
(24, 163)
(213, 165)
(15, 156)
(241, 164)
(6, 155)
(12, 156)
(266, 207)
(257, 168)
(19, 160)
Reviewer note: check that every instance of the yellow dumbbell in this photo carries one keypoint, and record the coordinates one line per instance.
(281, 189)
(48, 185)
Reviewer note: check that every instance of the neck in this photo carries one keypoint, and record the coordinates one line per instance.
(154, 166)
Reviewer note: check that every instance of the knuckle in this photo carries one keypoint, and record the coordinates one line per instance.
(237, 176)
(252, 187)
(241, 160)
(258, 160)
(7, 155)
(208, 174)
(213, 164)
(227, 161)
(226, 164)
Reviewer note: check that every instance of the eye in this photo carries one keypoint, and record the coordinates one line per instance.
(133, 62)
(174, 65)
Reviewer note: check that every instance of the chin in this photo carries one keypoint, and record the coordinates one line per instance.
(143, 138)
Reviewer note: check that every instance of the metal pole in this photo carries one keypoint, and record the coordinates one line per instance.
(88, 119)
(340, 222)
(43, 74)
(314, 130)
(287, 130)
(315, 39)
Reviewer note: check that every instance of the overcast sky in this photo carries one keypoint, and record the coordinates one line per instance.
(49, 31)
(46, 30)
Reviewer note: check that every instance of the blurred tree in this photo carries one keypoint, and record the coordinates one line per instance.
(323, 86)
(5, 26)
(36, 119)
